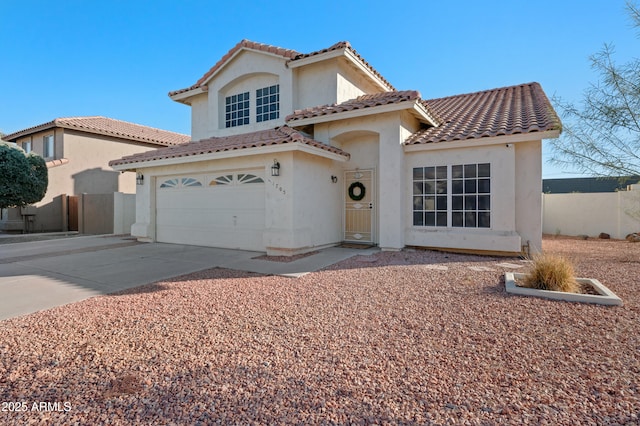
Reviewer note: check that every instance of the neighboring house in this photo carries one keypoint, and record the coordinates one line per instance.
(77, 151)
(588, 184)
(292, 152)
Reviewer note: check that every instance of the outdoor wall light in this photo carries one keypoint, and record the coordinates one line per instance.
(139, 178)
(334, 178)
(275, 169)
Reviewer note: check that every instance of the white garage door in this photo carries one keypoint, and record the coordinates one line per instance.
(217, 210)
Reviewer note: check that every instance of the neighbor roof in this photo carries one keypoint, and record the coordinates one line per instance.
(278, 136)
(289, 54)
(498, 112)
(108, 127)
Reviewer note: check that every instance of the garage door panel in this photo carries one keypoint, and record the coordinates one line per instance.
(210, 217)
(230, 215)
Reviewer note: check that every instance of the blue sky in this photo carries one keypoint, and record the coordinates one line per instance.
(120, 58)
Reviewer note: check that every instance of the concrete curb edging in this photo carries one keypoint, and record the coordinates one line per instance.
(606, 297)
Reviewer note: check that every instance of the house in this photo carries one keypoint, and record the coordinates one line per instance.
(77, 151)
(292, 152)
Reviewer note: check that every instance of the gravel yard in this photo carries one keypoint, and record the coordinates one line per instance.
(396, 338)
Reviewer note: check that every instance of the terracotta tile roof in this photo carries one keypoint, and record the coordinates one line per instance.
(346, 45)
(108, 127)
(278, 136)
(56, 163)
(246, 44)
(362, 102)
(503, 111)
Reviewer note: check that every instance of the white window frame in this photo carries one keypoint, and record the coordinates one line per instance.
(268, 103)
(233, 105)
(27, 146)
(449, 191)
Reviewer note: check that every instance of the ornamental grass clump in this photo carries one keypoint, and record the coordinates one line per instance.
(552, 272)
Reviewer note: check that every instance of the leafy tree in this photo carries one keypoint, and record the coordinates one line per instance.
(23, 177)
(601, 136)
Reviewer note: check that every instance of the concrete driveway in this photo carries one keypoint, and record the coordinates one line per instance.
(44, 274)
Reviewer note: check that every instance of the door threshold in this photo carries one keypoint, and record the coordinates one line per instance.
(361, 246)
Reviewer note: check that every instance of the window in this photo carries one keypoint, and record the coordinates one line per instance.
(237, 110)
(249, 178)
(181, 183)
(470, 199)
(455, 196)
(48, 150)
(26, 146)
(430, 196)
(268, 103)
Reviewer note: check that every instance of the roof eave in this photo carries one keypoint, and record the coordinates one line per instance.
(232, 153)
(13, 137)
(424, 115)
(361, 112)
(183, 97)
(477, 142)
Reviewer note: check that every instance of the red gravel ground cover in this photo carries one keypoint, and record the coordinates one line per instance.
(388, 340)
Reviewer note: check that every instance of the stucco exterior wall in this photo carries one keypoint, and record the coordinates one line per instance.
(328, 82)
(199, 117)
(87, 171)
(501, 236)
(582, 214)
(315, 84)
(528, 205)
(350, 83)
(248, 71)
(375, 143)
(302, 205)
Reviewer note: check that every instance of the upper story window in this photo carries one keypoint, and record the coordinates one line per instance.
(237, 110)
(26, 146)
(268, 103)
(48, 150)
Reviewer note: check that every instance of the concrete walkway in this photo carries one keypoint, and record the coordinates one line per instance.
(43, 274)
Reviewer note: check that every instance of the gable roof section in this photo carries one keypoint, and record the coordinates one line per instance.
(244, 44)
(278, 136)
(293, 57)
(107, 127)
(366, 102)
(504, 111)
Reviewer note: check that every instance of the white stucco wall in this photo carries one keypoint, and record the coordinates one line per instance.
(199, 117)
(375, 143)
(301, 205)
(614, 213)
(502, 235)
(248, 71)
(528, 205)
(315, 84)
(351, 83)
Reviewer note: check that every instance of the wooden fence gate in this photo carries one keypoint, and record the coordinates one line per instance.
(72, 212)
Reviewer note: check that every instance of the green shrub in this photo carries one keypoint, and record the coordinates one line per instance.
(552, 272)
(23, 177)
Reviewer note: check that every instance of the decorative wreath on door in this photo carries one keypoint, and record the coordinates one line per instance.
(352, 191)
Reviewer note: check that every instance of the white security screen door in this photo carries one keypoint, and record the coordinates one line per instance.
(359, 202)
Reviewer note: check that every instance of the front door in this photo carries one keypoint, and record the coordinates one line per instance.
(359, 217)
